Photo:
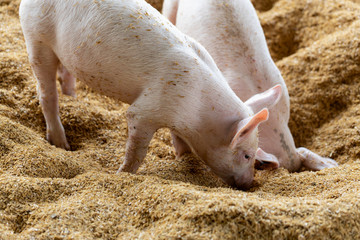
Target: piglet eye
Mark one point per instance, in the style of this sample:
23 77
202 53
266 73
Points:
247 156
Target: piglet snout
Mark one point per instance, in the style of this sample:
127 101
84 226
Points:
244 185
243 182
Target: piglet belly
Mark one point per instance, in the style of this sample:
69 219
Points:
103 72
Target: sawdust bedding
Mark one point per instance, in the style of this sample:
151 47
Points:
49 193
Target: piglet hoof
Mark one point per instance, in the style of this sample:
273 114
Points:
123 168
315 162
130 168
59 142
68 91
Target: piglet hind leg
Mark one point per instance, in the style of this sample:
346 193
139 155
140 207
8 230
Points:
313 161
44 63
67 81
140 133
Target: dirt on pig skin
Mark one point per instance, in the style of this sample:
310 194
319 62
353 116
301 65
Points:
50 193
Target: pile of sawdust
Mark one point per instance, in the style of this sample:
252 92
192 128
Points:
46 192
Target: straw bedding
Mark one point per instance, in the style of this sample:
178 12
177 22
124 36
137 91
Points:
49 193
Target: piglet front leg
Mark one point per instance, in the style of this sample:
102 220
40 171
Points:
180 146
140 133
44 63
67 81
313 161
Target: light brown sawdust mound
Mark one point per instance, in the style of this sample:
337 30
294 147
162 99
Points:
49 193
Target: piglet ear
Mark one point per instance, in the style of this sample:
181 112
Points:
265 99
248 125
265 161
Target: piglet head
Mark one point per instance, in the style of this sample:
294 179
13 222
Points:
241 154
238 156
233 157
244 147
